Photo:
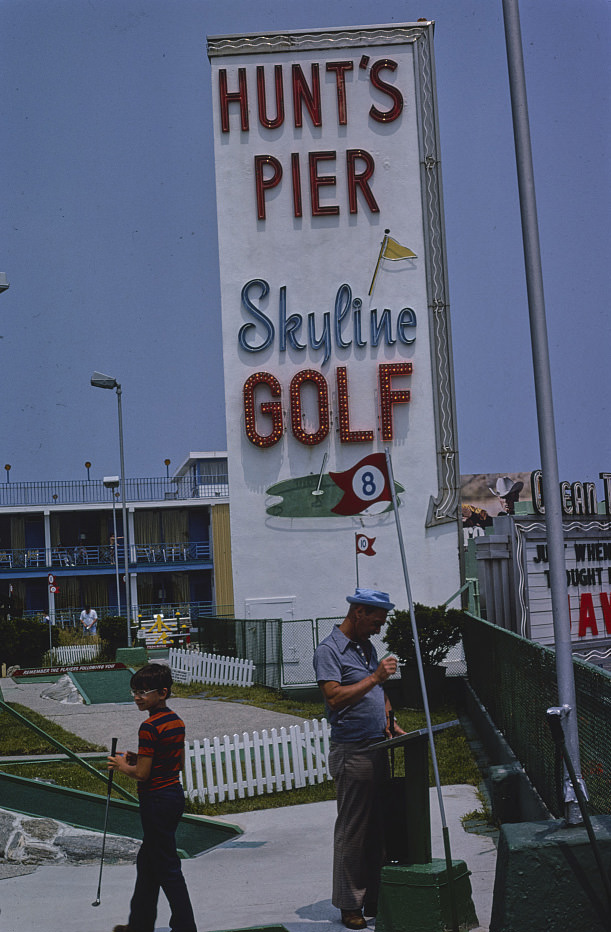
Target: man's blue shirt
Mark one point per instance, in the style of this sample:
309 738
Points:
343 661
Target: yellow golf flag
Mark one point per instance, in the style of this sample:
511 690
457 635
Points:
394 250
391 249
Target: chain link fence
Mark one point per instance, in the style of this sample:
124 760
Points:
515 679
281 650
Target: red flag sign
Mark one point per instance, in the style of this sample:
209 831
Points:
364 545
363 485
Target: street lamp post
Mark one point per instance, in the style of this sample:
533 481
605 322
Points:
112 482
99 380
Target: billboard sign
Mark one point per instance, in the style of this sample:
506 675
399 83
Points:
336 338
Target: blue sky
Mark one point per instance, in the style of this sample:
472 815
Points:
108 226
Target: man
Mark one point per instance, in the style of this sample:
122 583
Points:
351 680
89 620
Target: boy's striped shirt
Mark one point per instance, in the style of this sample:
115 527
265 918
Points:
162 737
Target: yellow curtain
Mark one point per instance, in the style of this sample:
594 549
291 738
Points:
221 548
146 527
17 532
145 589
175 523
55 538
95 591
180 587
69 592
18 597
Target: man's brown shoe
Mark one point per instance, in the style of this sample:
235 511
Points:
353 919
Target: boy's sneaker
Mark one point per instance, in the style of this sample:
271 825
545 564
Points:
123 929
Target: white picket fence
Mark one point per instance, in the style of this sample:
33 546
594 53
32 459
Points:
74 653
251 765
190 666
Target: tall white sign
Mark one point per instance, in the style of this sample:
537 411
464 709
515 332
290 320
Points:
336 335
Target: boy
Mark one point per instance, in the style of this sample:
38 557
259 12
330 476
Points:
156 767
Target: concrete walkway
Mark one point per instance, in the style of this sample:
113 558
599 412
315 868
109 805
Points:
278 871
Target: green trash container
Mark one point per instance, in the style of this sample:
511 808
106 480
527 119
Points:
415 898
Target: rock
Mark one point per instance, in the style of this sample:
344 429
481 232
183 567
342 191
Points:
88 847
31 841
8 821
38 854
62 691
42 829
16 847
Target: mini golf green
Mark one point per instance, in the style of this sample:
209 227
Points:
195 834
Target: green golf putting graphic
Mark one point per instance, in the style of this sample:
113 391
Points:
310 497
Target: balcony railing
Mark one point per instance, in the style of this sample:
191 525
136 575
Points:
68 616
93 491
81 556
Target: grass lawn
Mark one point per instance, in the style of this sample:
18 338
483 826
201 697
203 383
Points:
456 763
17 738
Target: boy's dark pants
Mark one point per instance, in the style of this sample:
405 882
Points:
158 864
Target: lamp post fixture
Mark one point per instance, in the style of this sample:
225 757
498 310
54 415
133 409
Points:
167 468
113 482
88 467
8 471
99 380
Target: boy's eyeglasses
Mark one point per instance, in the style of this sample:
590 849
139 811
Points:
141 693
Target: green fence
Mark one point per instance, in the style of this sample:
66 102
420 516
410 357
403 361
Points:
515 680
282 650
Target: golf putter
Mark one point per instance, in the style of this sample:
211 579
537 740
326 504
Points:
111 773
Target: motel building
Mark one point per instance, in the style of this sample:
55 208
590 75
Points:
57 550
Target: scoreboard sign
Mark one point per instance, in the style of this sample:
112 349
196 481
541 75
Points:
336 339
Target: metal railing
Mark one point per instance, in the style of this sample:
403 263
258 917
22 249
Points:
69 616
515 679
95 556
93 491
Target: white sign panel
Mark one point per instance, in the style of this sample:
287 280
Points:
336 336
588 579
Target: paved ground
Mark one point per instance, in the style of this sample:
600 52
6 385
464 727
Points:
203 718
278 871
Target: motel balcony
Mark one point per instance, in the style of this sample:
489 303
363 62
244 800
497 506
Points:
93 492
67 527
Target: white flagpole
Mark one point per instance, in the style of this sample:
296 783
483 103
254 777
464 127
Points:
425 698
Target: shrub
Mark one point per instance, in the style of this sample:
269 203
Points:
113 633
24 641
439 629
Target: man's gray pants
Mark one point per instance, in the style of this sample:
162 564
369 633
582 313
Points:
360 777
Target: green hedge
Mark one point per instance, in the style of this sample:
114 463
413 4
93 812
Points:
113 633
24 641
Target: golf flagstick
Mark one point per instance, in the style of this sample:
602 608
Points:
113 751
425 698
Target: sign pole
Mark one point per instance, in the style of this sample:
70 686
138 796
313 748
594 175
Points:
425 699
544 398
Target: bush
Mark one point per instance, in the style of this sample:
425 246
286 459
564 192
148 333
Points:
439 629
24 641
113 633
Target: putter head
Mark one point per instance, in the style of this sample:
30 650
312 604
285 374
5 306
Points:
96 903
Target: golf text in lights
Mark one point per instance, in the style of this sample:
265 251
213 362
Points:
286 94
272 410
